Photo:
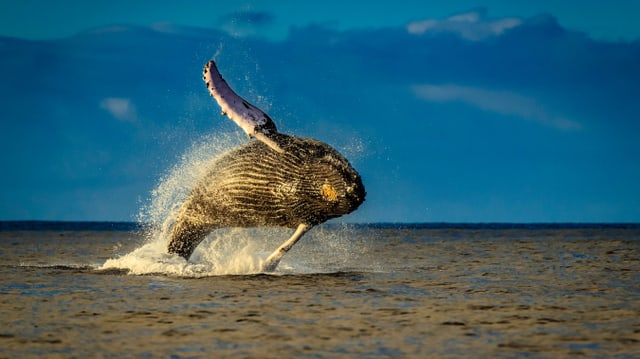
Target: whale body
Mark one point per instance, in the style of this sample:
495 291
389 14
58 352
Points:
277 181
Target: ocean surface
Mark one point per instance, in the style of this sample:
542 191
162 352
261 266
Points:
108 290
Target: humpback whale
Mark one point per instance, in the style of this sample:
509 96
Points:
276 180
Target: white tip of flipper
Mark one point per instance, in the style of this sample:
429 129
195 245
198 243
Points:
273 260
251 119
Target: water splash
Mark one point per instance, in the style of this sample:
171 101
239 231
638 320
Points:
225 251
228 252
174 187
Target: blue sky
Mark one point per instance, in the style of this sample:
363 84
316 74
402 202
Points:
452 111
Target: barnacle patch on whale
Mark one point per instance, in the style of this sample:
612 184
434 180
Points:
328 192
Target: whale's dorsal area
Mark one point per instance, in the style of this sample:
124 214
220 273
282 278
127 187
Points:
253 121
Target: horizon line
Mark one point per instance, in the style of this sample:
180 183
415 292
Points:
25 225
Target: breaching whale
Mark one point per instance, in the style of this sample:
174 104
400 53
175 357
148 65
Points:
277 181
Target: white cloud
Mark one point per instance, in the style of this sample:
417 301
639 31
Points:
120 108
502 102
473 25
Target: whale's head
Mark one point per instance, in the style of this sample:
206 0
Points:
329 186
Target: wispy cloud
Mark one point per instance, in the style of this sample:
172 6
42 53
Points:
120 108
502 102
473 25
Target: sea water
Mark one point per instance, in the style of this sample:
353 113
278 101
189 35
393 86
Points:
431 290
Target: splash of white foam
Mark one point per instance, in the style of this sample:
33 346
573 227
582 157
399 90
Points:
230 252
224 252
174 187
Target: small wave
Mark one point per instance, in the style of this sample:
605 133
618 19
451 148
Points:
58 267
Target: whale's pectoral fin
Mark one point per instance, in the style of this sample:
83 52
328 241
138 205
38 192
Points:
274 259
251 119
185 237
